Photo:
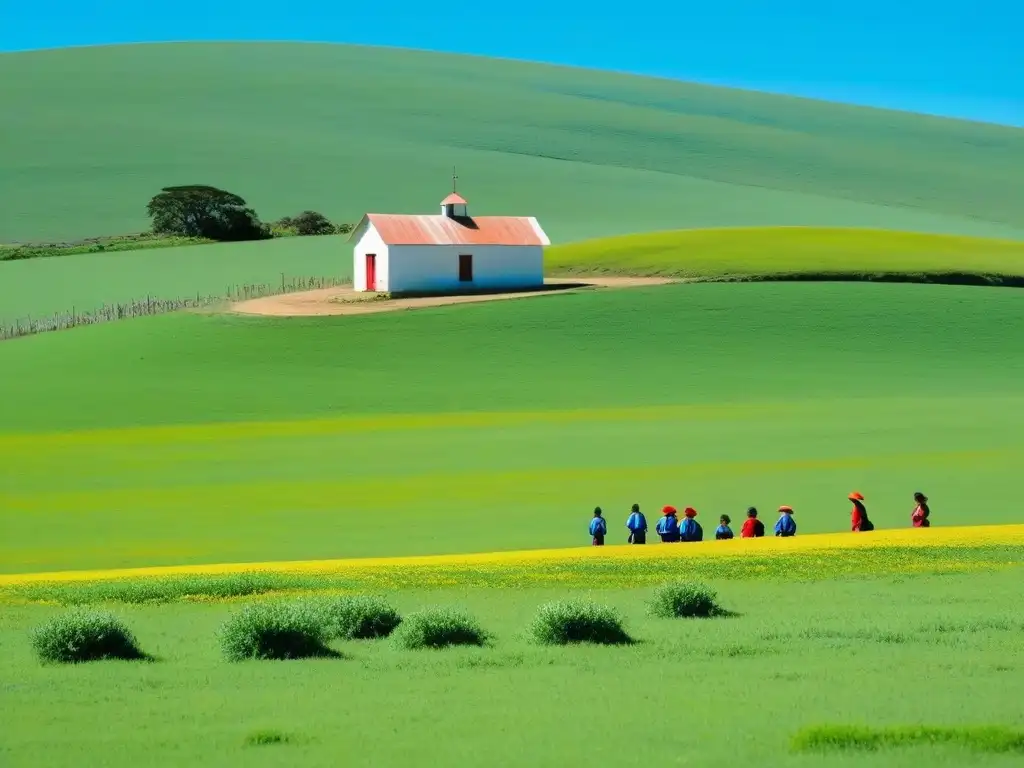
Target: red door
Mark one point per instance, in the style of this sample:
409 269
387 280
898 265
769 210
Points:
371 272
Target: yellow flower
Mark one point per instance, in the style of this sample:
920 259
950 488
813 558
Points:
967 536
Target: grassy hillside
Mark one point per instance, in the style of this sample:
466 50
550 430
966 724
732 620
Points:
206 439
91 133
40 287
767 252
500 426
520 705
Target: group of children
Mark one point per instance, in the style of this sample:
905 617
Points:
670 528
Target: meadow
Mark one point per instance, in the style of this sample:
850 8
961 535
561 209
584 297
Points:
477 439
477 428
773 253
179 469
346 129
38 288
799 660
85 282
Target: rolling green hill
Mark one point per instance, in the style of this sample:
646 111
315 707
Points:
785 251
209 438
91 133
40 287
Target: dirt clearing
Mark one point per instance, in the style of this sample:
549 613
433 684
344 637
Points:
345 301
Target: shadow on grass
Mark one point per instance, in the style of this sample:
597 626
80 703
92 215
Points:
926 278
987 738
991 280
133 657
723 613
720 613
323 652
268 737
545 288
737 651
629 642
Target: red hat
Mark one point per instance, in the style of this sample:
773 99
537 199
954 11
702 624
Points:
690 512
668 511
785 508
855 496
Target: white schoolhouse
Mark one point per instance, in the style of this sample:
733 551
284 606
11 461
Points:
449 253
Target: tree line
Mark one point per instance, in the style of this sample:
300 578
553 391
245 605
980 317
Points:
201 211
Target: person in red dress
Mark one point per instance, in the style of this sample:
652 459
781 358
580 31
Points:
752 527
859 514
919 517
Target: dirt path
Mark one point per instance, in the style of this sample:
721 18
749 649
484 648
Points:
345 301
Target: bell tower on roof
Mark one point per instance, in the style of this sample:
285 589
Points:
455 206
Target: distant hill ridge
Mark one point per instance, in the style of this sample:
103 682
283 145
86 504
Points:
91 133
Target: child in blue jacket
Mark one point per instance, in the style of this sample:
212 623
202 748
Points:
598 528
668 526
637 525
786 525
723 531
689 529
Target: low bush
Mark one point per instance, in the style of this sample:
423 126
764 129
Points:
824 738
84 636
684 600
561 623
361 617
307 223
268 737
312 223
275 631
438 628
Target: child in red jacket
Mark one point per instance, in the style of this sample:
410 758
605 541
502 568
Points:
919 517
859 514
752 527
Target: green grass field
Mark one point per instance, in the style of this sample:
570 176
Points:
205 438
345 129
309 438
944 651
770 253
38 287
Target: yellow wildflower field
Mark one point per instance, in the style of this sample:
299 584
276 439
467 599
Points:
761 550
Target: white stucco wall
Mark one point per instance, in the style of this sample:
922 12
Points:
436 267
370 242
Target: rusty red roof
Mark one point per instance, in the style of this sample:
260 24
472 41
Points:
454 199
401 229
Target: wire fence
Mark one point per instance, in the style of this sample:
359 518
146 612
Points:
153 305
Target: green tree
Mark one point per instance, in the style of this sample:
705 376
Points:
312 223
201 211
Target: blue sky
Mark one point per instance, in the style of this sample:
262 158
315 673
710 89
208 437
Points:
963 59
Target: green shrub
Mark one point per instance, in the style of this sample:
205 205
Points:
576 621
268 737
823 738
361 617
438 628
684 600
312 223
275 631
84 636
